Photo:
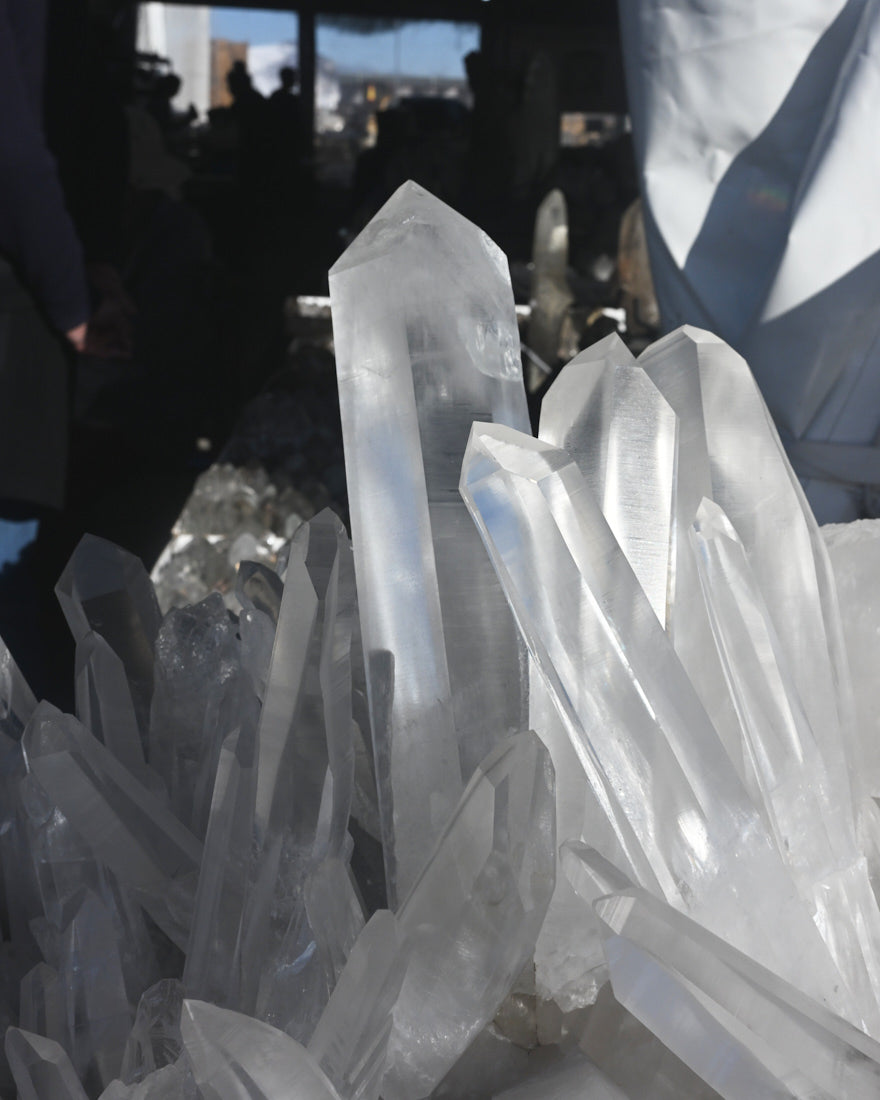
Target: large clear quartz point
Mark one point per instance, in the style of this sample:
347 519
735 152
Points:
680 813
738 1026
41 1069
235 1057
470 923
105 589
426 342
613 421
351 1040
811 827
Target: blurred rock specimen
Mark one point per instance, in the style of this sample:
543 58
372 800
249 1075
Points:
554 785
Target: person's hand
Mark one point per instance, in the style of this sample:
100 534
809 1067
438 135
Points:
109 330
77 336
109 333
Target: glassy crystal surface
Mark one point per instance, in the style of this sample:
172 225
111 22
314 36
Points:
606 413
200 694
653 758
155 1039
672 364
744 450
237 1058
426 342
104 704
742 1029
471 921
105 589
43 1003
812 829
350 1041
41 1069
126 827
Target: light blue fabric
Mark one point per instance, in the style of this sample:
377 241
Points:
15 536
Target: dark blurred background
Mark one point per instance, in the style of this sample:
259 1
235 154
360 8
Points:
217 160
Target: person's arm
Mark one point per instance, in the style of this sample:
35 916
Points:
36 232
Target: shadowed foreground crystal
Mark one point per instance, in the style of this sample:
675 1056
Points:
237 1058
470 922
680 813
108 590
41 1069
742 1029
426 342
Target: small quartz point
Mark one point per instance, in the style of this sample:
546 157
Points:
212 964
426 342
672 365
104 704
738 1026
43 1003
811 828
680 813
350 1042
470 923
155 1039
126 827
575 1078
98 1014
613 421
551 295
796 582
201 693
235 1057
105 589
41 1068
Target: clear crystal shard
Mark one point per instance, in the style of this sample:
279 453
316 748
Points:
105 589
672 364
679 810
237 1058
90 971
741 1028
126 827
350 1042
470 923
201 694
745 451
104 704
551 295
426 342
41 1069
212 964
605 411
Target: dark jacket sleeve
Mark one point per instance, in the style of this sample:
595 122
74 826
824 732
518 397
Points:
36 231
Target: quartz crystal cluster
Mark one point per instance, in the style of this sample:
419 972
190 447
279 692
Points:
550 783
